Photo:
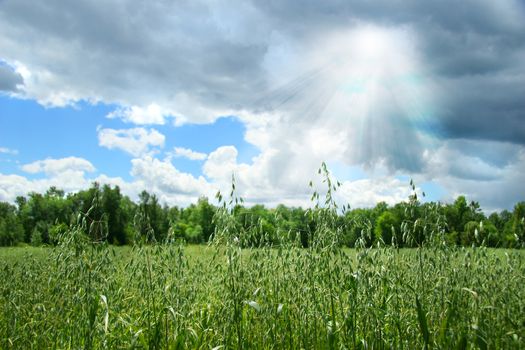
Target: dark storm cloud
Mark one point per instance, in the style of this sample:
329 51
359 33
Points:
134 52
483 17
485 107
475 49
128 52
9 80
495 154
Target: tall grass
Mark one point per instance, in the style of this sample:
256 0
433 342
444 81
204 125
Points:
239 294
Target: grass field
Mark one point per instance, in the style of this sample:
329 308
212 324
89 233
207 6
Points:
83 295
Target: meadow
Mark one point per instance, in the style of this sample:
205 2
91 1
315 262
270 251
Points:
89 295
244 290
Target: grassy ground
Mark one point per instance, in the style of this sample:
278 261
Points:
166 296
193 252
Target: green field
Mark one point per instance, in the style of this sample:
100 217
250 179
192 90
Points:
83 295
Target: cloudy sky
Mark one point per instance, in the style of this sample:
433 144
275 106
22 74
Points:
175 96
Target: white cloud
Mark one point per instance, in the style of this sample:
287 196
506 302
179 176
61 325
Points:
453 162
274 177
259 183
68 174
188 153
136 141
491 174
164 177
6 150
59 166
221 163
369 192
152 114
12 186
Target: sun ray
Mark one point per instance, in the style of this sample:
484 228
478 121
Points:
368 84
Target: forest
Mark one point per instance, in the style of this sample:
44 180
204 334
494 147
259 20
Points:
39 219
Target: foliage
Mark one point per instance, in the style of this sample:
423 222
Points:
36 219
11 230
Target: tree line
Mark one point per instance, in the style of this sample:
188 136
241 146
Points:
39 219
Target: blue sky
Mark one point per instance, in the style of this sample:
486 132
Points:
37 132
176 97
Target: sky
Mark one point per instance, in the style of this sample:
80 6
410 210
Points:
175 97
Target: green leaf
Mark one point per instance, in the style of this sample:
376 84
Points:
422 319
462 344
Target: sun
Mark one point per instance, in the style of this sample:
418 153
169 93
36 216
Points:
372 43
371 91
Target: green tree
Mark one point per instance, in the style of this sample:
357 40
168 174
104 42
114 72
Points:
11 229
203 217
387 228
470 234
490 234
357 224
458 215
111 205
153 216
38 213
518 223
